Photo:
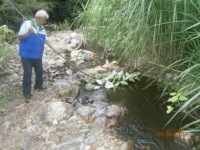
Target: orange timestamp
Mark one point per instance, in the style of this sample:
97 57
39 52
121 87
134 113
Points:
171 134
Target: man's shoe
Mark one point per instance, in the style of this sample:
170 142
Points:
27 98
40 88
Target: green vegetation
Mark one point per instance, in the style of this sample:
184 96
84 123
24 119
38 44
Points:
28 8
176 97
5 96
112 80
161 35
5 34
61 11
67 9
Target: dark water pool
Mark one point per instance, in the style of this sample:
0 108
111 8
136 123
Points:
146 118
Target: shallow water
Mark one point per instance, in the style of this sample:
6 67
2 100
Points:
146 118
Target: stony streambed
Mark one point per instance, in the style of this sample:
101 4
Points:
48 122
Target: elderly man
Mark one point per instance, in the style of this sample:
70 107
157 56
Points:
32 38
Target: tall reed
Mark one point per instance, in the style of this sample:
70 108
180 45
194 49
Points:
160 32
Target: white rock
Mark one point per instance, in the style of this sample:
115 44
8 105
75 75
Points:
124 147
85 110
100 148
58 111
72 120
74 41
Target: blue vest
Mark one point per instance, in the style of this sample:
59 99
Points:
31 46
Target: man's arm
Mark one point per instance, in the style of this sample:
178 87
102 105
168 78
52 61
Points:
51 46
24 35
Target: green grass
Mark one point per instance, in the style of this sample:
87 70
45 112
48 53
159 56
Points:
5 97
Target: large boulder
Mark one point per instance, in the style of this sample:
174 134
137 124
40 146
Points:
66 88
85 110
58 111
116 111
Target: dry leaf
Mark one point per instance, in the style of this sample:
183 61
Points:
20 106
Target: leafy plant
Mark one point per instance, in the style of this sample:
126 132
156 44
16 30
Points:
177 97
3 32
174 99
112 80
169 109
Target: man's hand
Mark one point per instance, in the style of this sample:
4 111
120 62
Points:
56 52
23 36
52 47
30 30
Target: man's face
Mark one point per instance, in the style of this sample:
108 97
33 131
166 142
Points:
42 21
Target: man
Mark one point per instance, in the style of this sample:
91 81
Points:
32 38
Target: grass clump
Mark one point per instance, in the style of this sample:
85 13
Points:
159 33
4 97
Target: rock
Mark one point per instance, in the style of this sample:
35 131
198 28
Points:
91 54
72 120
111 122
67 39
72 141
85 100
128 146
13 77
60 46
26 123
93 147
4 72
66 88
89 140
74 41
13 142
69 72
58 111
146 148
100 111
99 95
78 41
101 121
87 57
85 110
124 147
33 144
4 132
34 130
185 138
93 71
114 111
7 125
110 66
72 45
100 148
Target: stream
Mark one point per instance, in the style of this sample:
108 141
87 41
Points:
146 118
146 115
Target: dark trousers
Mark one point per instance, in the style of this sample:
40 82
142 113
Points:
28 64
